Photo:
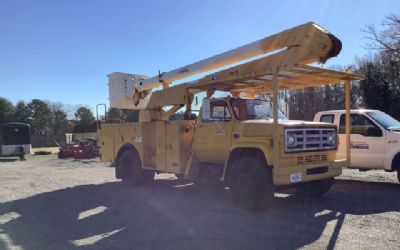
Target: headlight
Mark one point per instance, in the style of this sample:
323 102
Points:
290 140
331 139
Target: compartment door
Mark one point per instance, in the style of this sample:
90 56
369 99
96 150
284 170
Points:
174 148
161 146
106 142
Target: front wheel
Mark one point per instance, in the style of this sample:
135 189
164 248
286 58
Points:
251 183
315 188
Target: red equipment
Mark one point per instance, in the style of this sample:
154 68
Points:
83 150
66 150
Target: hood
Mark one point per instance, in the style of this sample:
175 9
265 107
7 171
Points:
290 123
294 123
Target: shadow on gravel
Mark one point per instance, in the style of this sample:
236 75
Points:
173 214
9 159
85 161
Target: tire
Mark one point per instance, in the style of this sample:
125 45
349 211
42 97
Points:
130 166
60 154
22 154
396 165
315 188
251 183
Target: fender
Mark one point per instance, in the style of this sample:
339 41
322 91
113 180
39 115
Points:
393 150
256 150
389 158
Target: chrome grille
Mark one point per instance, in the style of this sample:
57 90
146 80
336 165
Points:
311 159
309 139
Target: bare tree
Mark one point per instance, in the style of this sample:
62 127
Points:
387 40
60 122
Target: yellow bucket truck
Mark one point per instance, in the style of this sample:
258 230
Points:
239 141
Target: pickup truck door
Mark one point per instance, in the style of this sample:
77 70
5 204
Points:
213 136
367 142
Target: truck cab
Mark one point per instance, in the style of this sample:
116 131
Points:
375 138
230 128
220 119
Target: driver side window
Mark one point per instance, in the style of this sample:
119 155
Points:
219 111
360 124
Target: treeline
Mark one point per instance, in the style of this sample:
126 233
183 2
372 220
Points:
51 118
114 115
380 89
46 118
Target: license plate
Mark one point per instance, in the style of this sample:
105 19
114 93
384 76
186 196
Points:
296 177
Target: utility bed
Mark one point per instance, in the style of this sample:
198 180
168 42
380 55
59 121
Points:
162 145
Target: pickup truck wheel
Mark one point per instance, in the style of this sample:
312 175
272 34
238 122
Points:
315 188
132 173
251 183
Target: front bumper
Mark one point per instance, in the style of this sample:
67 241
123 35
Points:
287 175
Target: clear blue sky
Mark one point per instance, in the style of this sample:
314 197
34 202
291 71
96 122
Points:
62 51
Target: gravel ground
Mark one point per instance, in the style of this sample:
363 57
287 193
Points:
46 203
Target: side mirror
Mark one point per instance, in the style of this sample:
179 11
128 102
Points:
206 109
374 131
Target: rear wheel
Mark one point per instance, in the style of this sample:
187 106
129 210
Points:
251 183
315 188
131 172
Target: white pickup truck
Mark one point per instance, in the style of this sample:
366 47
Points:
374 139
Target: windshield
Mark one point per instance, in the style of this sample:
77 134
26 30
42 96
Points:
248 109
385 120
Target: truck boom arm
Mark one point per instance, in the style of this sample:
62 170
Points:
309 34
310 38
